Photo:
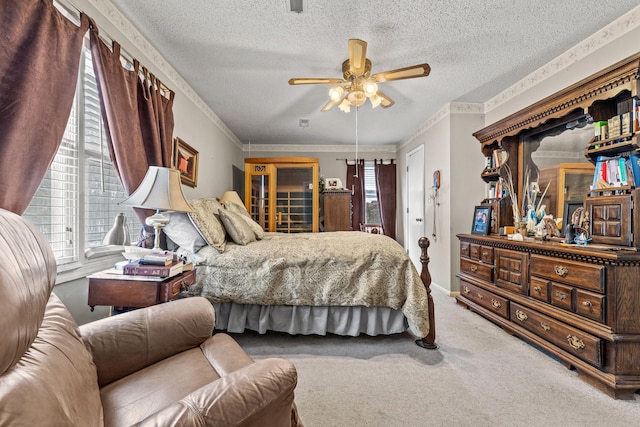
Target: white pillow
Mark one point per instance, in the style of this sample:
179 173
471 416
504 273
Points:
183 233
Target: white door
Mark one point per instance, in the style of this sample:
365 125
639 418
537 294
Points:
415 225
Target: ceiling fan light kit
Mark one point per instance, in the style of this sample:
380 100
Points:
358 84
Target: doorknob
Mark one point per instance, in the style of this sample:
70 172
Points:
418 219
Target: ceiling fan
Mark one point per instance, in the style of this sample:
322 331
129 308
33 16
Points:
358 84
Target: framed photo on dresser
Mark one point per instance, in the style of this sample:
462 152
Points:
481 220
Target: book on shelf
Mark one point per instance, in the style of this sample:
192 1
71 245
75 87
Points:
138 269
617 171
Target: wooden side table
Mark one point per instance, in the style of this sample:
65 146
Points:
120 293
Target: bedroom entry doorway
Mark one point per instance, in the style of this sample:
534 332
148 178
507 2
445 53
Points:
415 204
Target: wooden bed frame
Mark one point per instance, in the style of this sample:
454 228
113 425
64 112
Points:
428 341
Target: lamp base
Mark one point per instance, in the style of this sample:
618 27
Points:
157 221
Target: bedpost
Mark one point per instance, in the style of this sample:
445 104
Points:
428 341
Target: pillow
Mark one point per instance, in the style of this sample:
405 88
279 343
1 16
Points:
204 216
240 209
237 227
183 233
235 207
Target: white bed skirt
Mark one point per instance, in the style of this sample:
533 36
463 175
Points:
307 320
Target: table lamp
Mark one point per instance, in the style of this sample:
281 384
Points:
161 190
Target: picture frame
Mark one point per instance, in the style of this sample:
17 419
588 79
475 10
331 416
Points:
185 160
481 220
569 210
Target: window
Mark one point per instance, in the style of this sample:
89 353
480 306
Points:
77 201
371 212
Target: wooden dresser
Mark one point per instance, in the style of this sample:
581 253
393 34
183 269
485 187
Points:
581 305
337 210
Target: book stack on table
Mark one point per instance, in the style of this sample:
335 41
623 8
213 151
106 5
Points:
151 267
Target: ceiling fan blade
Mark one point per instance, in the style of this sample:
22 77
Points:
412 72
328 106
315 81
386 101
357 56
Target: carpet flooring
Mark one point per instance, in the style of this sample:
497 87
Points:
479 376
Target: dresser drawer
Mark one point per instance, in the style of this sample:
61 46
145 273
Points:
586 276
171 288
590 305
540 288
486 254
485 298
464 249
561 296
483 271
574 341
474 251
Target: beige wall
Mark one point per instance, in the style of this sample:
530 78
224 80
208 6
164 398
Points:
449 147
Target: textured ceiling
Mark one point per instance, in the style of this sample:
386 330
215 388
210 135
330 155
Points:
239 54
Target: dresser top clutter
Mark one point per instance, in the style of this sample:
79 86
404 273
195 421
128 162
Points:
576 299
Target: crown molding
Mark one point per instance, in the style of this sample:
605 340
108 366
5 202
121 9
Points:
117 19
446 111
288 148
614 30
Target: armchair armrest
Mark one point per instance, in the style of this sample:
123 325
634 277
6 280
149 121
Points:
256 395
128 342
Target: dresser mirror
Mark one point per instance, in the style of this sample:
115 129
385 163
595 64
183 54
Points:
554 156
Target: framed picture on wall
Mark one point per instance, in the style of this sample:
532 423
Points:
481 220
185 159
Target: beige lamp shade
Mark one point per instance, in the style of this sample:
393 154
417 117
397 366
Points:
231 196
160 189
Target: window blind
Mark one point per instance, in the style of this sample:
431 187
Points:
73 220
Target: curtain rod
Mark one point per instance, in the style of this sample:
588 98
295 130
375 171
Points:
70 10
366 160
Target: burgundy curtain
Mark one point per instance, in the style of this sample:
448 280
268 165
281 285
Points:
137 116
386 192
356 184
39 61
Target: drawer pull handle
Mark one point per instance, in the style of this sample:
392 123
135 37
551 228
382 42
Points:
545 326
537 289
521 315
575 342
495 303
587 303
480 295
474 268
561 270
466 290
561 295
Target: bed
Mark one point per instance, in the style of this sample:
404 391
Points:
344 283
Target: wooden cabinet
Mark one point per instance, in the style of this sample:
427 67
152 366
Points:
579 305
281 193
337 210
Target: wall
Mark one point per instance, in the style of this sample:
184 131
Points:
330 158
449 147
195 123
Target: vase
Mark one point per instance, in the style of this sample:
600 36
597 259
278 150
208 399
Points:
119 233
523 228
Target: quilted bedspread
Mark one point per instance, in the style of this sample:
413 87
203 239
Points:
317 269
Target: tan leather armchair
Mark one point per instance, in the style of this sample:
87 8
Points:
155 366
